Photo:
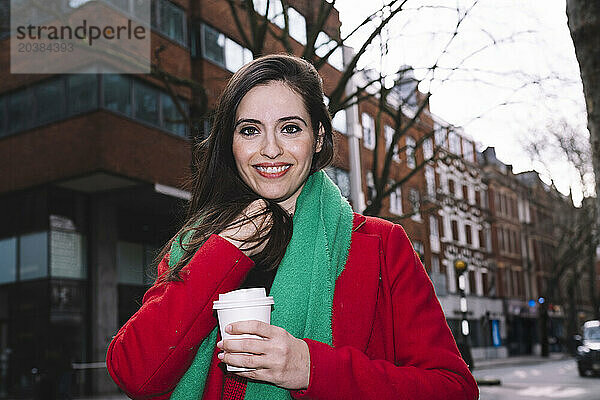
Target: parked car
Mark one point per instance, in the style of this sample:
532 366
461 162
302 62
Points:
588 349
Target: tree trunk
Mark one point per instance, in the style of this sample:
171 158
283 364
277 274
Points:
584 24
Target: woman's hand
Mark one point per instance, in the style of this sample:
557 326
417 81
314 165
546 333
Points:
243 230
278 357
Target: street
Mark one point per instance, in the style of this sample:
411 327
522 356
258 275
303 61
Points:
549 380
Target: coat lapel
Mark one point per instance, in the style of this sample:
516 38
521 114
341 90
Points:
356 290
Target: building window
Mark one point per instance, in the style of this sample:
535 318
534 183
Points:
389 135
19 110
441 139
221 50
454 224
481 238
451 188
117 93
477 198
67 255
410 152
341 178
50 97
8 260
371 191
468 151
469 234
323 45
396 200
427 149
82 93
434 231
454 141
465 192
430 181
33 256
297 25
169 19
368 125
146 103
171 118
415 204
419 249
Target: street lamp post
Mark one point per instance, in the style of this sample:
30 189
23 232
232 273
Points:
464 346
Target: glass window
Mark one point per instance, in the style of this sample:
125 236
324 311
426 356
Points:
433 227
19 110
323 45
49 97
468 147
67 255
396 200
427 148
130 263
430 181
146 103
117 93
454 140
297 25
82 92
213 45
368 125
276 13
172 21
415 202
441 139
33 256
410 152
8 260
339 121
173 121
120 4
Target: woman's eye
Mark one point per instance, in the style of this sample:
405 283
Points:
291 129
248 131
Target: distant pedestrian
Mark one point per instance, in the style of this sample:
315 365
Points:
355 316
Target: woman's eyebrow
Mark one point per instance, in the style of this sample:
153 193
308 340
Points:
282 119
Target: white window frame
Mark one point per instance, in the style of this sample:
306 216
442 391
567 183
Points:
396 200
411 161
368 125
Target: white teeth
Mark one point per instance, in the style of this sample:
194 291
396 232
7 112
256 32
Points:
273 170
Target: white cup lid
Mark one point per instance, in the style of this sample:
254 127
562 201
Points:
244 294
265 301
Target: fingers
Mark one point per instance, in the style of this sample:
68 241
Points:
253 346
253 327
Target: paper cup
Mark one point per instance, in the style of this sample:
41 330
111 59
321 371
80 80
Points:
242 305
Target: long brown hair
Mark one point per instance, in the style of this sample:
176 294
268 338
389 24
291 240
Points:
219 195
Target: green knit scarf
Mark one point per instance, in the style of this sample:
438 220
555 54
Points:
304 284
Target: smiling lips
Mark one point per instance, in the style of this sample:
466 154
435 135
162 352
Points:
272 171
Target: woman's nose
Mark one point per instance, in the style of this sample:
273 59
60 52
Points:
270 146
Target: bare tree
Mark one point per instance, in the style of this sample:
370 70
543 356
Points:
584 25
571 282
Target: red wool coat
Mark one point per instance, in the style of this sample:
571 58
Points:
390 337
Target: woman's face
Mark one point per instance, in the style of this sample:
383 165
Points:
273 142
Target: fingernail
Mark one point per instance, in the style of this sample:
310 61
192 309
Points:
228 329
221 355
220 344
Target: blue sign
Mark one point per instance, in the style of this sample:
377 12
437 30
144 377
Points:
497 342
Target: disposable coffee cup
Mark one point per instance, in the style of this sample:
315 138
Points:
242 305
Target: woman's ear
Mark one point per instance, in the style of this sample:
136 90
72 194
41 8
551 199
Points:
319 144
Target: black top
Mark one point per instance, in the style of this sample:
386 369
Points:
258 277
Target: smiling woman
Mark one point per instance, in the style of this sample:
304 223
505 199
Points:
355 313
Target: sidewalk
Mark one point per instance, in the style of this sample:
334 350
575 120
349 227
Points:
518 360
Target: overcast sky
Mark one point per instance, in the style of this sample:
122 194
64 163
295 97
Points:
515 42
